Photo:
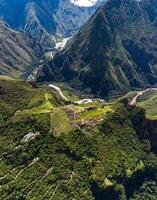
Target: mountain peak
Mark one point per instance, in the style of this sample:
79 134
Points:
85 3
113 52
44 20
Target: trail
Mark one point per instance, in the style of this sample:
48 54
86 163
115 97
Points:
7 174
60 182
58 89
40 179
140 93
54 192
79 102
34 161
47 192
20 172
71 177
84 101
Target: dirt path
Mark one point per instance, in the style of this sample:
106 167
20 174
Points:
62 182
49 189
20 172
39 179
54 192
140 93
7 174
59 91
79 102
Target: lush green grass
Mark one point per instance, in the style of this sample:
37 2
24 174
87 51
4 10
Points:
60 123
97 112
147 101
45 107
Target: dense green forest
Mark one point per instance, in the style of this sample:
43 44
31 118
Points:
111 160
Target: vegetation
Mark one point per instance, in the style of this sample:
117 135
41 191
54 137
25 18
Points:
20 51
148 101
110 57
106 161
60 123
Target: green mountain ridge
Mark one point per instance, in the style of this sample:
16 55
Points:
113 52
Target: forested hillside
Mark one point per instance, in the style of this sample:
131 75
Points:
112 160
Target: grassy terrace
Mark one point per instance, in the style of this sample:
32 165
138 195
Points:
60 123
92 111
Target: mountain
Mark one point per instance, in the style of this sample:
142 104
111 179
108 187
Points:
18 52
113 52
46 20
56 141
47 152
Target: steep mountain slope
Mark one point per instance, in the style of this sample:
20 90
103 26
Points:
113 160
44 19
17 51
113 52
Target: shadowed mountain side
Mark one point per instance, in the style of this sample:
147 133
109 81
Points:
113 52
17 51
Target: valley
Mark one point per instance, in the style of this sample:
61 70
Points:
47 21
78 100
107 58
29 29
49 55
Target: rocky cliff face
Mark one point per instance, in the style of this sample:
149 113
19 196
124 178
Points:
113 52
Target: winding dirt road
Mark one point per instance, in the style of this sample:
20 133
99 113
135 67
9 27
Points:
79 102
140 93
59 91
